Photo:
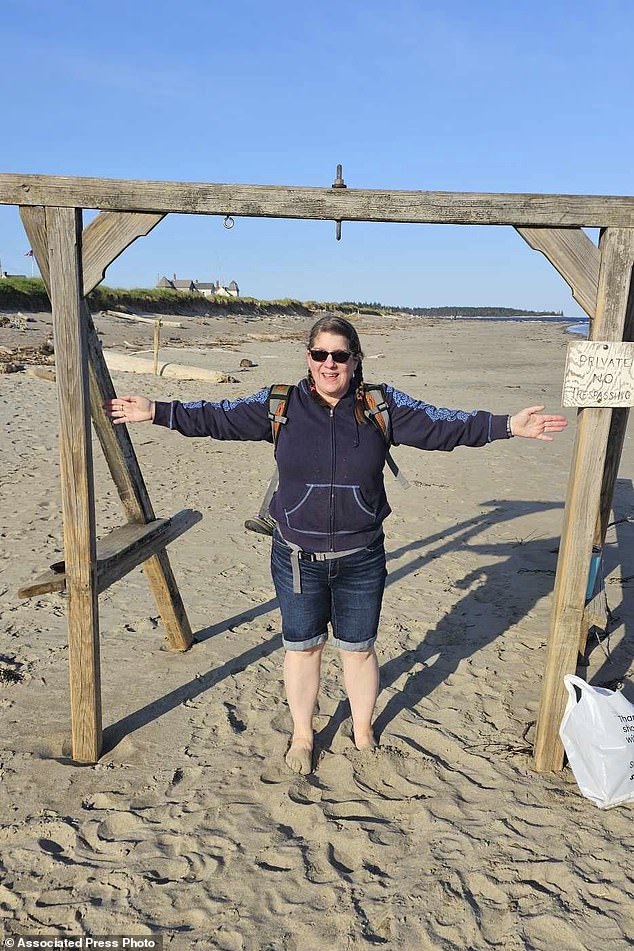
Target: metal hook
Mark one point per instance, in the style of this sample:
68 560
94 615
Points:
228 222
338 183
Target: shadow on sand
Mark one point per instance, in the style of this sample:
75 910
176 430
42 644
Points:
501 598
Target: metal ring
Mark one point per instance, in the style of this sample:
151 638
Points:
228 222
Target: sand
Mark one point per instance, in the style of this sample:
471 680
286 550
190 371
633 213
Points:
191 826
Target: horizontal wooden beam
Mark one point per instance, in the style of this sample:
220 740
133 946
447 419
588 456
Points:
351 204
119 552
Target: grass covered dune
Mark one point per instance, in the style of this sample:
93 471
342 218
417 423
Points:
24 293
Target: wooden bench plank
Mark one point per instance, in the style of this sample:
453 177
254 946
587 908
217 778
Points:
129 546
118 552
44 583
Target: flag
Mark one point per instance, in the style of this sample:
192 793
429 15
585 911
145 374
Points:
28 254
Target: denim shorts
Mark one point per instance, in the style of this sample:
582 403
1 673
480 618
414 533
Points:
345 592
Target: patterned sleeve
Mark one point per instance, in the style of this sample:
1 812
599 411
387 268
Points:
419 424
241 419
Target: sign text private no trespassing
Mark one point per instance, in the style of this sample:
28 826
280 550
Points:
599 373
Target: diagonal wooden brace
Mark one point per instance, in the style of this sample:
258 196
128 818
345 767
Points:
574 255
106 237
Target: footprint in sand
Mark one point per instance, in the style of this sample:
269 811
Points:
393 774
35 845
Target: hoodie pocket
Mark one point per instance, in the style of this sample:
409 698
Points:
311 514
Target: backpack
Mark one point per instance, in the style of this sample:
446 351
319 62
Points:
375 409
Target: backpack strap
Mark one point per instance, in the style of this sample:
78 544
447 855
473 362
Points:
376 409
276 405
279 396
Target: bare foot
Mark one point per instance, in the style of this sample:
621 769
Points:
300 755
365 739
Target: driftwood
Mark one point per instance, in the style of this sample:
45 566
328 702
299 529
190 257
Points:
126 362
42 373
142 320
173 371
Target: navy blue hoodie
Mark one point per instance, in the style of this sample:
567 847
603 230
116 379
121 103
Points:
331 495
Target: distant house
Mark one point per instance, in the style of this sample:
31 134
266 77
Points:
173 284
231 290
206 288
6 274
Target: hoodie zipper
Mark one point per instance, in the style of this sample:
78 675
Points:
332 479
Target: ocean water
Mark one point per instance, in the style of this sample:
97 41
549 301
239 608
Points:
581 328
578 325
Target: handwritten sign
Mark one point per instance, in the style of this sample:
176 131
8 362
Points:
599 373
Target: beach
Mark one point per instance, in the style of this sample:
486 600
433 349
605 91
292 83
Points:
190 826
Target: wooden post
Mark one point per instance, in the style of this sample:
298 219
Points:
596 611
118 449
618 427
157 344
63 227
582 506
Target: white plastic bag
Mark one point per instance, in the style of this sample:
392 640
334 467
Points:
598 735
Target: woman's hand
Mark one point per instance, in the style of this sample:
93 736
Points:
532 425
129 409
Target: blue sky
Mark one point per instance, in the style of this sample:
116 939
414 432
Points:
476 95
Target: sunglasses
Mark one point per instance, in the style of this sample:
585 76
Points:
339 356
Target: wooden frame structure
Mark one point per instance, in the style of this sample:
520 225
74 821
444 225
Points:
72 262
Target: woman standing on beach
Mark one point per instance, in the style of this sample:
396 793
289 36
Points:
328 555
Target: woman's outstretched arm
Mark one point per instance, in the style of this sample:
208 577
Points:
245 418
